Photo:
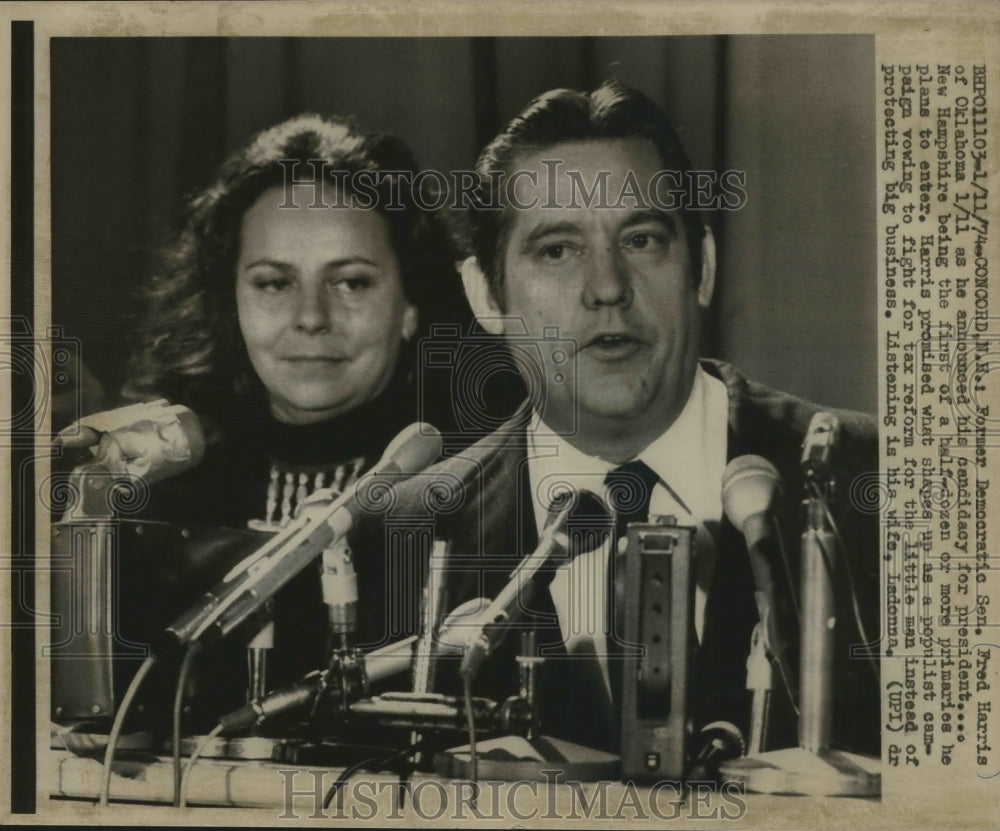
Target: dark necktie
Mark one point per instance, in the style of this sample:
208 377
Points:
629 491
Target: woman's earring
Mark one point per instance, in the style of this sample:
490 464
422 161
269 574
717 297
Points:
409 324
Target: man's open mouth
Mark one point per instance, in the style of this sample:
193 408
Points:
613 345
611 340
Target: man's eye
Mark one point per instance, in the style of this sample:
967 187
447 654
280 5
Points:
645 241
555 252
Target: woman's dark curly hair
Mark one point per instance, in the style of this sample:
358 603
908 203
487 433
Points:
191 350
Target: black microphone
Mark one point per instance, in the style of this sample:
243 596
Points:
821 437
560 542
349 678
261 575
345 681
715 743
750 488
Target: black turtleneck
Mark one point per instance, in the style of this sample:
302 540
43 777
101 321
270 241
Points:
363 431
230 487
254 458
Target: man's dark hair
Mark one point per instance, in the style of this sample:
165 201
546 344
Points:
612 111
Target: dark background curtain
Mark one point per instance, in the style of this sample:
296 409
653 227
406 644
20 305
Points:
138 124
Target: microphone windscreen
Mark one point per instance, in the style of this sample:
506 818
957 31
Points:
749 486
415 448
589 525
193 433
153 441
86 431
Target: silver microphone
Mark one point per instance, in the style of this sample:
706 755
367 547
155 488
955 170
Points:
750 489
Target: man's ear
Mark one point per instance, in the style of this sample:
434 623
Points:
706 286
477 290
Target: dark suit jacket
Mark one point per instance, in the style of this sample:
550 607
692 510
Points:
480 501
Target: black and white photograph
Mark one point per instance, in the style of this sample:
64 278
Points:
491 427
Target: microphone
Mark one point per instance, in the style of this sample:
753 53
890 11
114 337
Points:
260 576
434 600
821 436
352 675
353 678
152 440
715 743
339 583
277 703
750 487
560 542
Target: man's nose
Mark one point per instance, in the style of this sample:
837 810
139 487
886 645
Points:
312 309
607 281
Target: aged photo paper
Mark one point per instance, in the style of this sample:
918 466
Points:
858 263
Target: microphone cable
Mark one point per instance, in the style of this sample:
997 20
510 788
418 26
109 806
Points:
794 594
786 563
193 648
784 674
119 722
374 765
849 568
194 758
470 721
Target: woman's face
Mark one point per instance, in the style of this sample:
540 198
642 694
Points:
321 306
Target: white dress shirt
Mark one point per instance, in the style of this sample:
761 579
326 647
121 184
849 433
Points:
689 458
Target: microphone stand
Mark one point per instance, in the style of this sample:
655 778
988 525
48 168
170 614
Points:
527 756
434 598
250 744
813 768
256 745
257 652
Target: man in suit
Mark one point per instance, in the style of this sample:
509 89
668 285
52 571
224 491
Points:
587 249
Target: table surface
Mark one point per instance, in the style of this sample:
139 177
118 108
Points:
295 792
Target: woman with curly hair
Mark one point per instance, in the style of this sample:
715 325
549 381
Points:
287 317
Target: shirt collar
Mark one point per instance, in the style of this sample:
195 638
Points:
690 456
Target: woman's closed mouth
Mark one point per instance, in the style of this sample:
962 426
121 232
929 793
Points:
314 359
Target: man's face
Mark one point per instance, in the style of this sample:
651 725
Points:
616 280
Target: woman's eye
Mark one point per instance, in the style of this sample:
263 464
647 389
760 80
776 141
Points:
353 283
271 285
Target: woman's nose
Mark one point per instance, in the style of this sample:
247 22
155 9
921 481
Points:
606 280
312 312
